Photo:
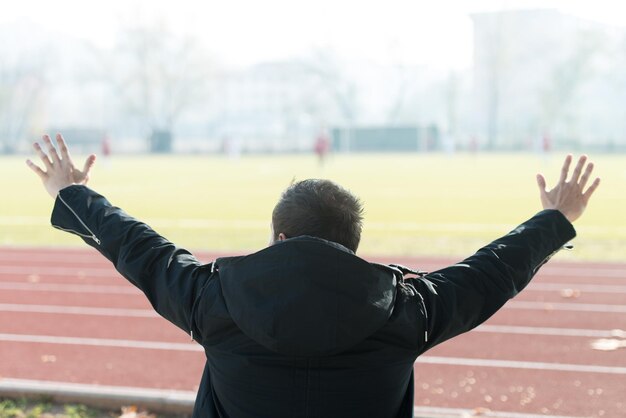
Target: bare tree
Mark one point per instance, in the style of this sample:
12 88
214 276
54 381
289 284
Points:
404 78
567 77
331 80
21 87
495 68
157 75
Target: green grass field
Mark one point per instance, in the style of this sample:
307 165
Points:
414 204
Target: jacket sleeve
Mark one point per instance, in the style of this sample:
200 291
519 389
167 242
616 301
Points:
170 276
461 297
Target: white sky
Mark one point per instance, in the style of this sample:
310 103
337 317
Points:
242 32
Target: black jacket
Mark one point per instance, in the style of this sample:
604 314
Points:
305 328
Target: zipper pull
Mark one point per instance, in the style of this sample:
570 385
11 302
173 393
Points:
95 238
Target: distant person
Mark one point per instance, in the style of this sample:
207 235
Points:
473 145
543 147
322 147
106 146
304 327
546 143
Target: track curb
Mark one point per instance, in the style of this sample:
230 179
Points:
113 397
178 401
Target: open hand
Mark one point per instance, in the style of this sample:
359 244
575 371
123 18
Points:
59 171
569 197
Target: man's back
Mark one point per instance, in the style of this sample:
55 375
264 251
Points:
305 328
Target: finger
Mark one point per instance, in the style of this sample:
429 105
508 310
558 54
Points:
65 152
89 162
585 176
52 151
578 169
565 168
42 155
541 182
42 174
591 189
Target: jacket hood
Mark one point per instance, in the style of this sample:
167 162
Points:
306 296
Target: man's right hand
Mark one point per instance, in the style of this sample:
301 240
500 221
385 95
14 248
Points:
59 169
568 196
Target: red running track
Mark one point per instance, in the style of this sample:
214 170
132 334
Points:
68 316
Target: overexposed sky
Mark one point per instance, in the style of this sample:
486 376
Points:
242 32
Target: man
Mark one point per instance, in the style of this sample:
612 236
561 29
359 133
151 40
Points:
304 327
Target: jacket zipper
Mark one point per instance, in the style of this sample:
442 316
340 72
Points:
426 320
567 246
92 236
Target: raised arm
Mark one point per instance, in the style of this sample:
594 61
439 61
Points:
462 296
170 276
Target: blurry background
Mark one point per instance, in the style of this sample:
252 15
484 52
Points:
498 75
244 90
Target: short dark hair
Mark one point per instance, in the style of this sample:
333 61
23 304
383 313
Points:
319 208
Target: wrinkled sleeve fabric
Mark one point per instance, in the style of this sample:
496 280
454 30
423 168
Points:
169 276
461 297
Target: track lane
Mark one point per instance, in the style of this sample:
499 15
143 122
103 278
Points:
532 348
548 317
505 389
555 393
102 365
154 327
143 329
567 396
512 348
122 301
98 295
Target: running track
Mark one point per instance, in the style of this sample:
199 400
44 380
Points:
67 316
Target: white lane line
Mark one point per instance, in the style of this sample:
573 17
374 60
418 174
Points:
78 310
587 288
583 271
75 259
528 365
53 256
441 412
70 288
156 345
147 313
558 306
556 332
505 329
101 342
59 271
105 289
457 361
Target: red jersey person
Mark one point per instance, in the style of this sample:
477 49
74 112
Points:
322 146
